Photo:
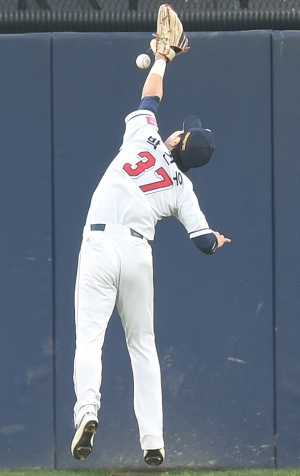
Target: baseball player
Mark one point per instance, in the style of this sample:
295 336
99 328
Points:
145 182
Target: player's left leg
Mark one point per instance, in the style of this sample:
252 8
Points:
95 296
135 306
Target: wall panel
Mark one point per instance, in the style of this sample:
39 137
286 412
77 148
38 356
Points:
286 76
26 336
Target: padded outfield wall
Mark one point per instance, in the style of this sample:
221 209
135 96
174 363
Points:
227 325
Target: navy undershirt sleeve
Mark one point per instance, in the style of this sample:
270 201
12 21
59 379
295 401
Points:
150 103
207 243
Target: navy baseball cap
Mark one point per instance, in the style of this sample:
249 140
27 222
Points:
196 145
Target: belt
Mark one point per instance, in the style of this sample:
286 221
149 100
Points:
101 227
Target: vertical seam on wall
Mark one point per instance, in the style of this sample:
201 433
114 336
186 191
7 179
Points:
273 254
53 254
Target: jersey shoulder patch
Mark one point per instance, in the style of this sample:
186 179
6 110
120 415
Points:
151 121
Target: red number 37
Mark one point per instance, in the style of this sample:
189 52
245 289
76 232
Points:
147 162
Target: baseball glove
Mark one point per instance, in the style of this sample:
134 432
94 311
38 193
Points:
170 39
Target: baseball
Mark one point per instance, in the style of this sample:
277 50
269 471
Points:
143 61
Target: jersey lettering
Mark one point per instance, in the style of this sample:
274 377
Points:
166 181
142 165
168 157
146 163
178 178
153 141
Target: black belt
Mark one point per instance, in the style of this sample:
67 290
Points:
101 227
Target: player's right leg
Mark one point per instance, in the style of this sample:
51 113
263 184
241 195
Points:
95 296
135 305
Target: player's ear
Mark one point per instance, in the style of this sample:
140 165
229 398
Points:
173 140
177 140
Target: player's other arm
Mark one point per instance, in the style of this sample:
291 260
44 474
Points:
210 242
192 217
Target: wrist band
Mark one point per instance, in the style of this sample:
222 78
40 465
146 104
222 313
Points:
159 67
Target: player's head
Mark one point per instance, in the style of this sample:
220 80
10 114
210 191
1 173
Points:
196 145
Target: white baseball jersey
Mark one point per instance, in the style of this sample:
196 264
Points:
143 184
115 268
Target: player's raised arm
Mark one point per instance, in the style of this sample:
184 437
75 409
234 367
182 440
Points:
169 42
153 85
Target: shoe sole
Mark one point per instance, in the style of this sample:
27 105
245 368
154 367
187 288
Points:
83 441
154 458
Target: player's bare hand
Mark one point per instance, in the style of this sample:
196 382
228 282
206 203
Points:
221 239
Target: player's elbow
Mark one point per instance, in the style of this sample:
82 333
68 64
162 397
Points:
207 243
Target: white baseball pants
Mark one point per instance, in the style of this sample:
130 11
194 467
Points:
115 268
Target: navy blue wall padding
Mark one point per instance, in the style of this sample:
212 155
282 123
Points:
213 314
26 335
286 77
227 324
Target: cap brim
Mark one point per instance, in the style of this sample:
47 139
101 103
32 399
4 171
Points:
191 123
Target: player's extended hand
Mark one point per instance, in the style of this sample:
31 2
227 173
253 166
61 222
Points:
221 239
170 39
